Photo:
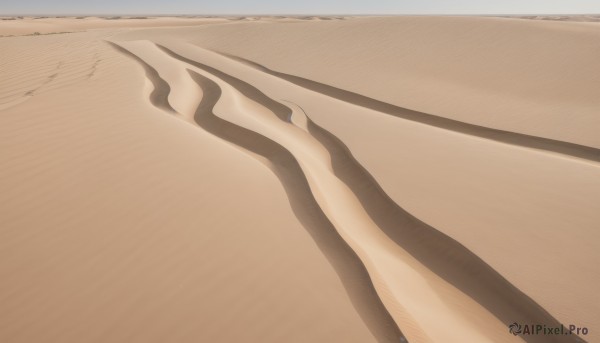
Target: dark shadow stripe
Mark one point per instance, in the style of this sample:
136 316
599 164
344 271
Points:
440 253
283 112
159 96
347 265
508 137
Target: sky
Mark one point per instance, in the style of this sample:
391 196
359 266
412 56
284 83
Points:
11 7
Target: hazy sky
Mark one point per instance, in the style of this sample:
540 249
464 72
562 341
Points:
297 7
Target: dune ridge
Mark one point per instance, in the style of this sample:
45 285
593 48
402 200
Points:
193 183
128 239
456 264
508 137
438 252
284 165
159 96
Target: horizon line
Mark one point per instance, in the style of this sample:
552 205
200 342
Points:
48 15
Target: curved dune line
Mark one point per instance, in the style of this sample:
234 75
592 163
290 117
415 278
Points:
184 95
286 168
365 225
344 260
160 94
507 137
441 254
371 245
281 111
438 252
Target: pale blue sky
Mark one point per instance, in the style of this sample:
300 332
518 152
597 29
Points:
297 7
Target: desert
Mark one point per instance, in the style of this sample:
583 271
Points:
299 178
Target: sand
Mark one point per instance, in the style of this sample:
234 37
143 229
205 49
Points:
298 179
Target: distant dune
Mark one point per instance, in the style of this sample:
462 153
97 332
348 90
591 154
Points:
579 18
298 179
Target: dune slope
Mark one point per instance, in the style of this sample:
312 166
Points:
298 189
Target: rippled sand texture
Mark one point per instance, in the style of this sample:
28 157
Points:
314 179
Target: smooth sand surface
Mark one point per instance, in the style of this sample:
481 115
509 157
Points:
298 179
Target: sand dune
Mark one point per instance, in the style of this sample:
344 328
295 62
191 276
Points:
200 184
509 74
514 138
61 25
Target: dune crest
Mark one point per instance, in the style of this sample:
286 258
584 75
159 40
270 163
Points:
422 248
180 179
